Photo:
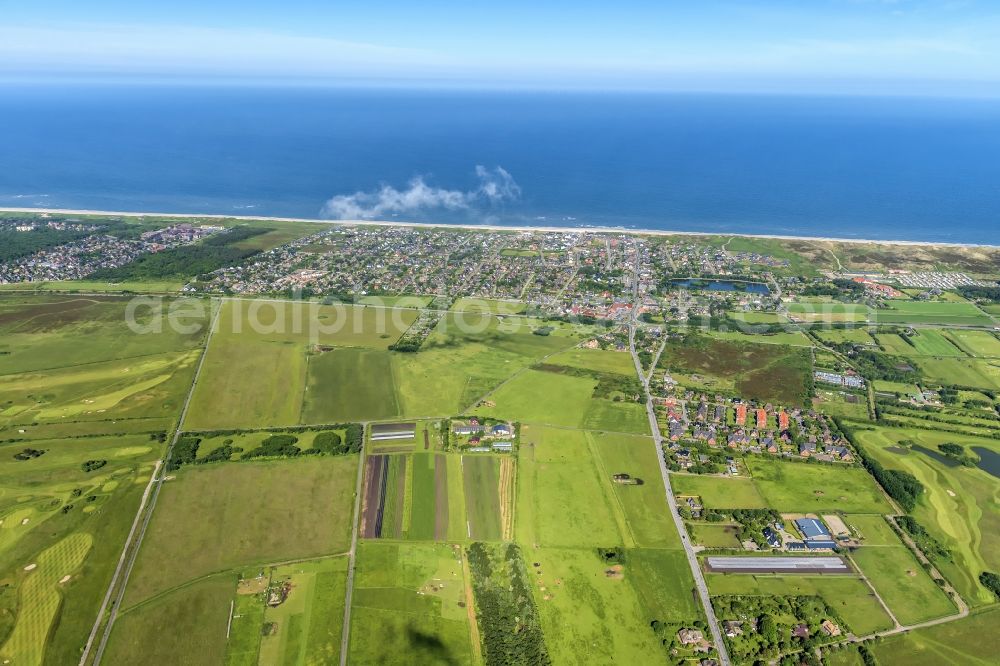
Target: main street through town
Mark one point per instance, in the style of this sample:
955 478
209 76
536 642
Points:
699 577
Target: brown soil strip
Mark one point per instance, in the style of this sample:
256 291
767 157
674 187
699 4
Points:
371 498
506 487
427 441
440 497
470 611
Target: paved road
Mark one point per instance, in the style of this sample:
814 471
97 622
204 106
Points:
157 483
699 578
352 558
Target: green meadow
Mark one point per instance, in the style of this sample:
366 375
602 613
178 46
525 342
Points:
931 312
960 642
906 588
719 492
409 605
255 371
226 516
799 487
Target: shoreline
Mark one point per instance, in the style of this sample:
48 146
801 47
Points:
492 227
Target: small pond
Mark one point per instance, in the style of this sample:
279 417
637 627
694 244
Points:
989 461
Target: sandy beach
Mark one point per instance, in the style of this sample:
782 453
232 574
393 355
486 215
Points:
491 227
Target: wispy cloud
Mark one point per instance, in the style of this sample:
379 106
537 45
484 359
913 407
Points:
496 187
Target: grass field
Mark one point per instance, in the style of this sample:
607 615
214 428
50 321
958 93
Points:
828 312
902 583
350 383
931 312
976 373
406 606
858 336
581 606
714 536
482 496
839 403
958 507
198 612
848 595
595 359
923 342
960 642
895 387
802 488
646 523
720 493
563 498
487 305
271 339
307 627
230 515
983 344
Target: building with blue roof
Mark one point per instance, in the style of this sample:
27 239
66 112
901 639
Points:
813 530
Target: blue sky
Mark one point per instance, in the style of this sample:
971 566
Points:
876 46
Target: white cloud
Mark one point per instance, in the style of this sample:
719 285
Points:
496 186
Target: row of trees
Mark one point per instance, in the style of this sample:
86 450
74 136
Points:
899 485
508 618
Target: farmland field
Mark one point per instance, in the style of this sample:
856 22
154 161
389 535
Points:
959 642
719 493
595 359
230 515
544 398
827 312
931 312
895 387
791 338
958 506
408 605
482 496
858 336
350 383
801 488
647 524
199 612
983 344
581 605
307 627
904 585
487 305
266 339
976 373
713 535
923 342
563 499
848 595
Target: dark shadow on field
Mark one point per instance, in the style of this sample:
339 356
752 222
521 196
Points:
427 648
